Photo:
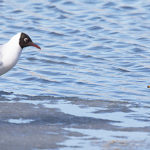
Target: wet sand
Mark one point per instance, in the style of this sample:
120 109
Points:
27 123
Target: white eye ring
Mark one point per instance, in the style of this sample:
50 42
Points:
25 40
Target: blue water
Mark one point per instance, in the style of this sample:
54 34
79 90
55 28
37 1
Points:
89 80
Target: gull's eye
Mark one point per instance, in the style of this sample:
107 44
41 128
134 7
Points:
26 40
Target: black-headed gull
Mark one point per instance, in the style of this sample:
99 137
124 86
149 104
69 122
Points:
10 52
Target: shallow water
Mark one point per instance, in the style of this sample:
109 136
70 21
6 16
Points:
87 88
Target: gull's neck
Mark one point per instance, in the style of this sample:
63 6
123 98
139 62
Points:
14 41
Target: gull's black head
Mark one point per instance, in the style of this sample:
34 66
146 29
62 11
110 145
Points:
25 41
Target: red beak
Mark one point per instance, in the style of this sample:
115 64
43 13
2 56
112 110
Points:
34 45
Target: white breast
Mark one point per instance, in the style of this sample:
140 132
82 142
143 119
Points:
9 54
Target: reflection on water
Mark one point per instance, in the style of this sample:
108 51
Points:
20 121
87 87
